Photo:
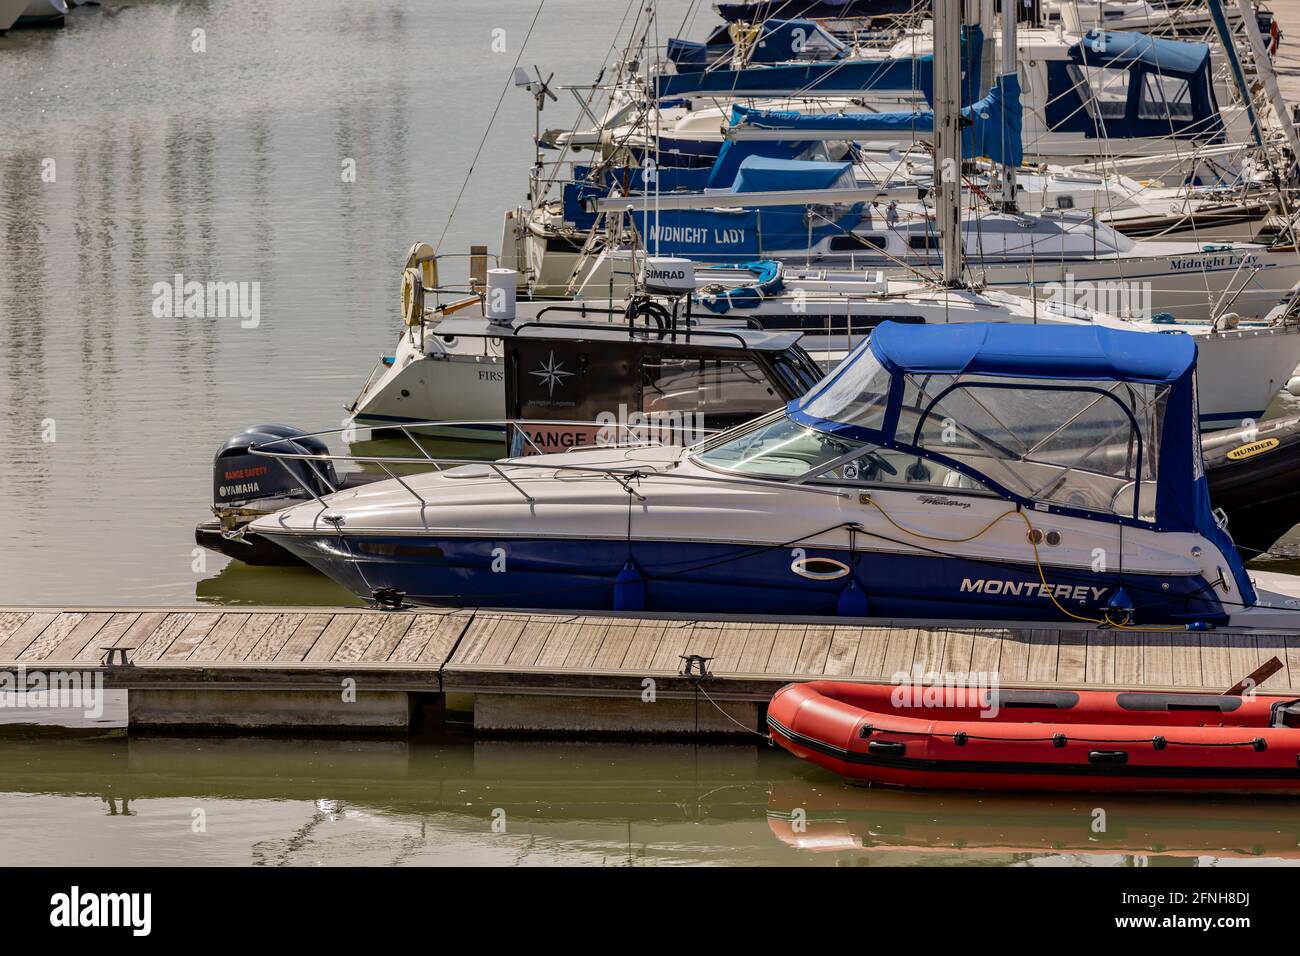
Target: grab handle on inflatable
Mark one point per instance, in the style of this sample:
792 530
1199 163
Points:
892 748
1108 756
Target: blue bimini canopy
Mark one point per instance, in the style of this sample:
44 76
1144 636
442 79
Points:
1033 351
992 126
1120 85
1012 381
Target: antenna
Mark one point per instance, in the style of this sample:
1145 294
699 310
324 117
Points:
541 89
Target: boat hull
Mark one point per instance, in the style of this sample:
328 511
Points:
950 738
697 577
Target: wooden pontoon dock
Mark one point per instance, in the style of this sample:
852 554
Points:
321 670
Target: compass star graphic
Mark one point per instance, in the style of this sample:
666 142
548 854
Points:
551 374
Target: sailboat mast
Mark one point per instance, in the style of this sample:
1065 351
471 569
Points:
1009 67
947 138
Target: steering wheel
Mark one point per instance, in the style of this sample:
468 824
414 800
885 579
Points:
878 463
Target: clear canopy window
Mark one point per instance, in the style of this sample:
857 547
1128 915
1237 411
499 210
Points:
1089 445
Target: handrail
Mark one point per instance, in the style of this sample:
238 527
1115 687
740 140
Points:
622 474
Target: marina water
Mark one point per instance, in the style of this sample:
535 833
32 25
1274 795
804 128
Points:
297 157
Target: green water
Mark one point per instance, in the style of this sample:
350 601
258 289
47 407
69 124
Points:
98 798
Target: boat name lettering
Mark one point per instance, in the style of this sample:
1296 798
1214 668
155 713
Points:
1077 592
1214 262
697 235
939 500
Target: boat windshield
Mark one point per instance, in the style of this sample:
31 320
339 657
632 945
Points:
780 447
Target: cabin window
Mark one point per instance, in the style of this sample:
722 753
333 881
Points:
856 242
1165 98
706 386
1086 445
1107 89
925 241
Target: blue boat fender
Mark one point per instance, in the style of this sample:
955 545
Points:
629 589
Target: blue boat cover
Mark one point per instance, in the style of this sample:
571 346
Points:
1121 50
838 76
759 174
754 12
1030 351
994 129
1051 353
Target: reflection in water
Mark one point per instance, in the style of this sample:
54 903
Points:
281 802
224 166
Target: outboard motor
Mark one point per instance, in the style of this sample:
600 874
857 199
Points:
246 485
240 477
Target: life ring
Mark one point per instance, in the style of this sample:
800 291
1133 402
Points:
412 297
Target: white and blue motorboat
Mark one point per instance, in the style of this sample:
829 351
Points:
974 472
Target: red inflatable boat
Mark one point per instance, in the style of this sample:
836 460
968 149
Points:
1041 739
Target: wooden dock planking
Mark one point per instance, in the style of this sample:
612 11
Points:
495 651
304 636
51 636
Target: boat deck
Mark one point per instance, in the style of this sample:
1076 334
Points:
515 665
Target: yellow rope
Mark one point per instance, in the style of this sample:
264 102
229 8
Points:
1105 620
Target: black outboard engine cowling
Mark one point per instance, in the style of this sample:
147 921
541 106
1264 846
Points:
240 477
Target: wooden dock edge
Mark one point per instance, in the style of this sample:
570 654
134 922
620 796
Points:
358 671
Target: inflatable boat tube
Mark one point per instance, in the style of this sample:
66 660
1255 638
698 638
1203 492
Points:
964 739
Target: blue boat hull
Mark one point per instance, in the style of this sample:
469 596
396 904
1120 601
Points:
722 578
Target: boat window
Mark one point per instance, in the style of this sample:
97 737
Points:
856 242
705 386
1108 89
799 372
1165 97
775 448
925 241
1067 443
855 395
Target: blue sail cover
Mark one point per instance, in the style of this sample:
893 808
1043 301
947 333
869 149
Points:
1050 353
845 76
813 9
1171 57
779 41
760 174
993 127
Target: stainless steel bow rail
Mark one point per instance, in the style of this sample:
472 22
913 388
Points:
625 476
